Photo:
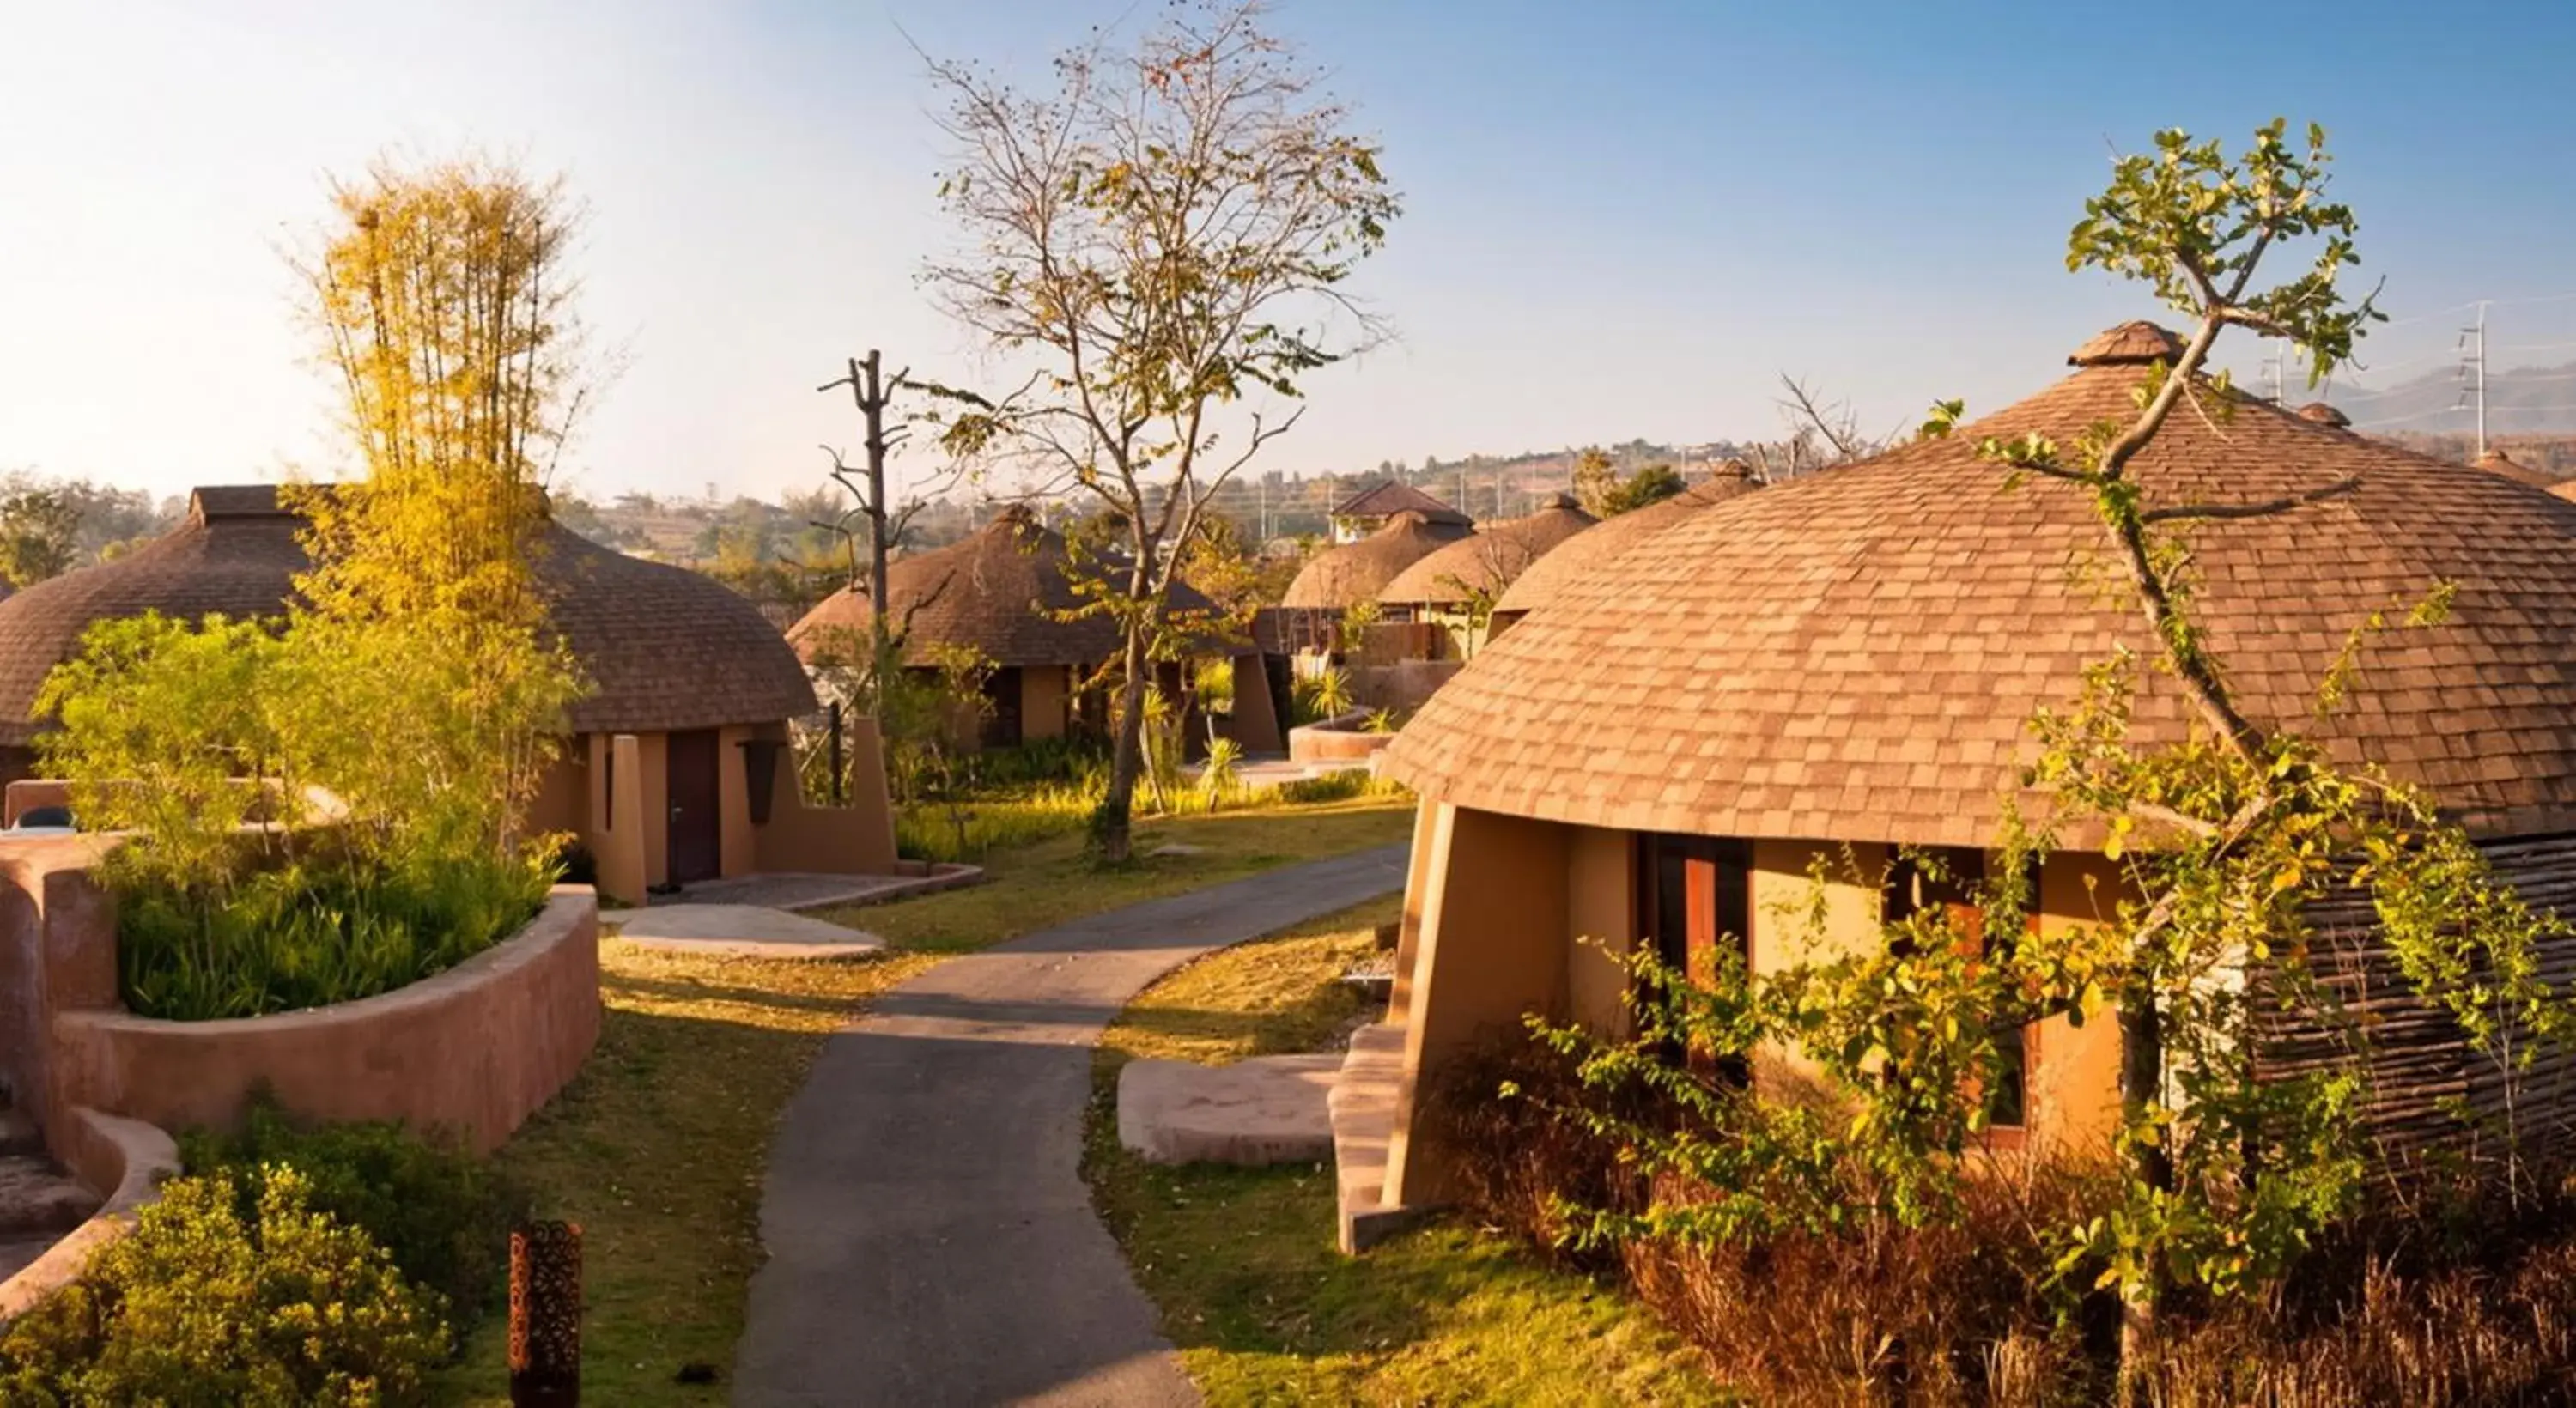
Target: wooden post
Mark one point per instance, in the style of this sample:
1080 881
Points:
545 1315
835 714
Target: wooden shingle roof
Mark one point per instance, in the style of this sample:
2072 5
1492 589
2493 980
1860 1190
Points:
1612 536
1001 591
664 648
1854 655
1387 498
1489 561
1345 576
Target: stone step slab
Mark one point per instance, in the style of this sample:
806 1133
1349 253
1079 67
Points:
1265 1110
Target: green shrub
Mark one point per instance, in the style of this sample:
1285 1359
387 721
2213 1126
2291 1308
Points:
969 828
1343 786
443 1215
312 932
204 1307
317 813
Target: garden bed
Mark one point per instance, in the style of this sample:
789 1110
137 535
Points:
474 1050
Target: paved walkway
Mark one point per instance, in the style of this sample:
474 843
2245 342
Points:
930 1237
742 929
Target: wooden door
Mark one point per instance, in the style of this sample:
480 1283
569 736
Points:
1694 896
696 843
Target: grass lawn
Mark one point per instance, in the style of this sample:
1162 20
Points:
1241 1261
1050 882
657 1148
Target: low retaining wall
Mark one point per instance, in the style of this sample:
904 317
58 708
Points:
474 1050
1336 740
126 1158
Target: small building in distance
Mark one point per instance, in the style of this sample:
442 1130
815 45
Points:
680 767
1369 510
1005 596
1450 589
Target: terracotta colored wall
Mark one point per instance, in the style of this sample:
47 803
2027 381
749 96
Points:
615 832
853 839
2075 1085
1256 721
1601 926
476 1049
28 793
1417 882
1045 691
1495 897
654 752
563 799
1313 743
52 920
737 853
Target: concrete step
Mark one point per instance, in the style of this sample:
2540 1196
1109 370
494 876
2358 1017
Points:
35 1197
1363 1108
1262 1110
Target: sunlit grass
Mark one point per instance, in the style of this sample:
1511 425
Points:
1054 881
1241 1262
658 1148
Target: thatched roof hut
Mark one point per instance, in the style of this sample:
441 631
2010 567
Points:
1004 591
666 649
1342 577
1487 562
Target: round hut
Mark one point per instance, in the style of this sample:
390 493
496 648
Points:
1599 543
682 671
1339 578
1843 664
1485 562
1005 595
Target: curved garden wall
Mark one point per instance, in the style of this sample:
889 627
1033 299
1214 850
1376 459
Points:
475 1050
1336 740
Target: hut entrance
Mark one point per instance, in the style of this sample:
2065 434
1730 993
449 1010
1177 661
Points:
1695 893
1002 727
696 842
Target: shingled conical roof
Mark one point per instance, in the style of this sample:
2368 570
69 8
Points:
1352 573
1388 497
1854 655
665 648
1612 536
1489 561
1001 591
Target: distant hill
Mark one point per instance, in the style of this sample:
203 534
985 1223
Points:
2520 401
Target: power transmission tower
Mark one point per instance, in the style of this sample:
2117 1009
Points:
2473 373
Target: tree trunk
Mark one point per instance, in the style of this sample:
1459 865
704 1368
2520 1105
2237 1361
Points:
1126 758
2142 1069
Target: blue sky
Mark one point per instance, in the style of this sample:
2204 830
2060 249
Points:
1623 218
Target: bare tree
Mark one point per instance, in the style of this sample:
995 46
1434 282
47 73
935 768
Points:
1165 238
1822 433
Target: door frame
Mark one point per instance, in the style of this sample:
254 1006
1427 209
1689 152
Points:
676 849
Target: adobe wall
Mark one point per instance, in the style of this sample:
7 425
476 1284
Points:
1494 894
853 839
57 951
475 1050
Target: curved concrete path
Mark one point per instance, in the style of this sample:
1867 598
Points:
930 1237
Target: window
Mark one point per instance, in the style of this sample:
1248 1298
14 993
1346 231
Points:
1948 876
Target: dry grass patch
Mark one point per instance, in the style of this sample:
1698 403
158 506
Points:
1241 1262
